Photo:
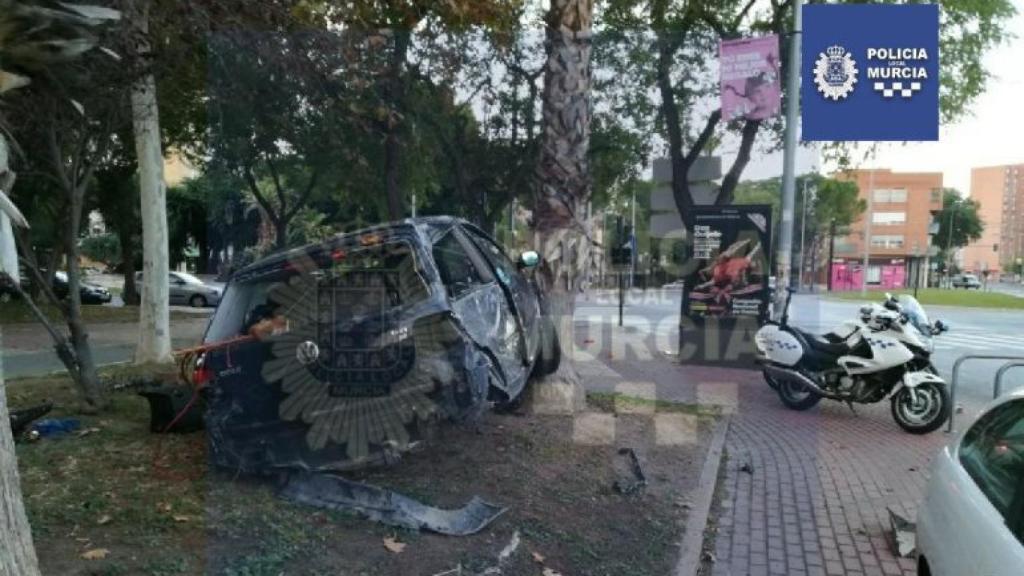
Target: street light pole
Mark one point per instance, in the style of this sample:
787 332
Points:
785 252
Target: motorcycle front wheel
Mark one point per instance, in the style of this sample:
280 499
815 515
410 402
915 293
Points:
922 410
773 383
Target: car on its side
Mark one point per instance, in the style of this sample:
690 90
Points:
346 353
966 281
184 288
971 522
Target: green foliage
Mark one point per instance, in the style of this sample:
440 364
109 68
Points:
959 221
104 248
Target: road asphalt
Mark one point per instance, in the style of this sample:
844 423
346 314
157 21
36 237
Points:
973 331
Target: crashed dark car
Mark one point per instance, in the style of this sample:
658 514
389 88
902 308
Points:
347 353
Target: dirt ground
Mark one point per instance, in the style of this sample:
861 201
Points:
150 505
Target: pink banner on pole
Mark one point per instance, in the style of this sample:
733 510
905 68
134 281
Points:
749 78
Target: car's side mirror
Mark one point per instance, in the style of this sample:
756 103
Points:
529 259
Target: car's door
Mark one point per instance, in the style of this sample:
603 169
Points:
981 521
518 289
479 302
176 290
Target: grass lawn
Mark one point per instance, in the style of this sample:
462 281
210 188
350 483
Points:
944 297
150 504
16 312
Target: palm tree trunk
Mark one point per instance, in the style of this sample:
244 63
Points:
17 552
563 186
154 315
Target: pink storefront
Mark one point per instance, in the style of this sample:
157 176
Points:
847 274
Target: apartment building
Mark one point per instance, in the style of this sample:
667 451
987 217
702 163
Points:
901 209
999 190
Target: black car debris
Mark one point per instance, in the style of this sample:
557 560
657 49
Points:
345 354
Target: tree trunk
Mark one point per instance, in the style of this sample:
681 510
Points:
563 187
87 378
154 315
280 232
395 91
17 553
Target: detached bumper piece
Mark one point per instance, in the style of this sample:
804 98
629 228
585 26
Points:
388 507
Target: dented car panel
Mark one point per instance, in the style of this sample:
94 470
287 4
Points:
345 354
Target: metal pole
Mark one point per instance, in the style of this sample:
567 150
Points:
803 230
622 283
949 245
867 235
632 242
785 251
831 252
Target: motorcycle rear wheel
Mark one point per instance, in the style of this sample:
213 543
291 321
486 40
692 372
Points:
927 414
796 396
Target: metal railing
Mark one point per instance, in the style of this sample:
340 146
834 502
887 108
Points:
997 387
956 376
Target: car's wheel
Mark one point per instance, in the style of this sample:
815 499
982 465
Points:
550 354
923 409
197 301
797 396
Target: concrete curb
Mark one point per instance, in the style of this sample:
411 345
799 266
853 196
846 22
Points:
693 536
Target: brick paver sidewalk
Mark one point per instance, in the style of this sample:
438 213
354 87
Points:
815 498
805 493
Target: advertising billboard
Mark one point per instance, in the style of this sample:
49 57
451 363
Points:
749 78
730 254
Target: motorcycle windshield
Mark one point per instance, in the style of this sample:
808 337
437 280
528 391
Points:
916 314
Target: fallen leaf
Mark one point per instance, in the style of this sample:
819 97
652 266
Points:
394 546
95 554
550 572
164 506
537 557
181 518
105 519
87 431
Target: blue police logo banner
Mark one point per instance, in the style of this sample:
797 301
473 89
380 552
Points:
870 72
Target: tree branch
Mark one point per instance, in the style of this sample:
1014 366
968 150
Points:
725 194
277 185
703 138
305 195
56 158
260 198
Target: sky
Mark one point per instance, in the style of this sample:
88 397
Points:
991 136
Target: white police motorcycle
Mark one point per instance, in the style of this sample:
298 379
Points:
884 354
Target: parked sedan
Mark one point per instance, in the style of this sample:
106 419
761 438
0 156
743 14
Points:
88 292
972 520
185 288
966 281
346 353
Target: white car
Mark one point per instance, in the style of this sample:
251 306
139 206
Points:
972 520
